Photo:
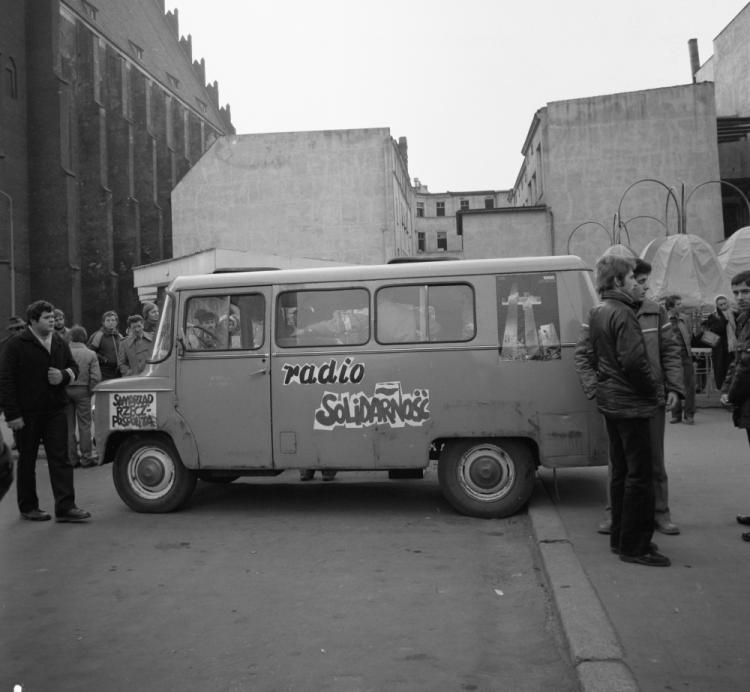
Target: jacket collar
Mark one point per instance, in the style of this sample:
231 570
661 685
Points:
619 295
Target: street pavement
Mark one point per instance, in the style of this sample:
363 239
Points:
629 627
685 627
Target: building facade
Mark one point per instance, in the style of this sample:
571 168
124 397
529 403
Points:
334 195
102 111
588 160
435 216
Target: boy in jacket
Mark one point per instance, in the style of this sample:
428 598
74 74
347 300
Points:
735 391
627 394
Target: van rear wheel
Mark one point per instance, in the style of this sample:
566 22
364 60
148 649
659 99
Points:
149 475
486 478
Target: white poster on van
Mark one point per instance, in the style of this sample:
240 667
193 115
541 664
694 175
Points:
387 405
132 410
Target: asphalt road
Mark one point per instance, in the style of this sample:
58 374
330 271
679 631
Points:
274 584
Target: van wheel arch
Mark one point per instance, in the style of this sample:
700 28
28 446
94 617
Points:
487 477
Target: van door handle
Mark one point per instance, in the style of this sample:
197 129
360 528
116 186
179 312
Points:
262 371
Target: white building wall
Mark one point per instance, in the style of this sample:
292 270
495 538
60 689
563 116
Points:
327 195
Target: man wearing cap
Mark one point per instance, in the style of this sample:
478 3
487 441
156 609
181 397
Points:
15 326
35 368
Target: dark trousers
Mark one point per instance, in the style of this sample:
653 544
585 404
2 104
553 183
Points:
686 407
631 484
51 429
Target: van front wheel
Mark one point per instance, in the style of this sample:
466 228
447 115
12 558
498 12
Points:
149 476
486 478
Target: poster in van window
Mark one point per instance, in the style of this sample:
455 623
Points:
528 317
132 410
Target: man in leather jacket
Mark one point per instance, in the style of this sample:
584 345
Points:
627 394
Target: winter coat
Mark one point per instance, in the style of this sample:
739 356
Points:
89 373
107 347
626 386
134 353
661 346
24 387
737 382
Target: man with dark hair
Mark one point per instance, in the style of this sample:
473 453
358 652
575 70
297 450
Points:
664 356
684 337
627 394
35 367
735 391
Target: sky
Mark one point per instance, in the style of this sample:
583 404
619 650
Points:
460 80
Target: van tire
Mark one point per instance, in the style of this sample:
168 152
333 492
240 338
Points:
149 475
490 479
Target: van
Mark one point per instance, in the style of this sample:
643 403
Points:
380 368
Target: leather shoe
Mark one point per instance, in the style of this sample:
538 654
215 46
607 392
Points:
652 548
650 559
676 420
36 515
605 527
667 527
689 420
743 519
73 515
746 536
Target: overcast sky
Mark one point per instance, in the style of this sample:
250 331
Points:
461 80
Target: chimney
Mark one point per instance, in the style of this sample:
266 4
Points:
404 149
695 63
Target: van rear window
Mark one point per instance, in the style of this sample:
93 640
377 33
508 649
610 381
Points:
528 318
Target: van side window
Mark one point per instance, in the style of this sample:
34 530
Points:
323 318
425 313
224 323
528 318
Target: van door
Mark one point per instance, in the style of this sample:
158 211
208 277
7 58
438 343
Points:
223 377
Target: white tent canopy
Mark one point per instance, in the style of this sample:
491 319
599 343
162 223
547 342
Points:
734 256
685 265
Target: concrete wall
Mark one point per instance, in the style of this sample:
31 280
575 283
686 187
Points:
335 195
597 147
520 232
731 69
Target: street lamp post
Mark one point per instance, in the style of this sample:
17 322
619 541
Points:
12 254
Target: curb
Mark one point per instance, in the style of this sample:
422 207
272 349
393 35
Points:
592 641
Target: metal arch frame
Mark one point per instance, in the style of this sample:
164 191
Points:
719 182
670 194
580 225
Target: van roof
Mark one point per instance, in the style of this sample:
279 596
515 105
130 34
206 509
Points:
368 272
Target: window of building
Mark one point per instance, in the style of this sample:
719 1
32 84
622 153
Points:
424 314
464 204
539 168
442 240
323 318
440 209
11 75
224 323
89 9
173 81
529 320
421 242
136 50
202 107
489 202
420 209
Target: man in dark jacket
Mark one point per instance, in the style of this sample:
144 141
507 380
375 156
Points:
35 367
106 342
627 394
736 389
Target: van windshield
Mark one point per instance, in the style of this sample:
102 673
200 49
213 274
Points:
163 341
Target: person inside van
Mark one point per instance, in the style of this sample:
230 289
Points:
202 334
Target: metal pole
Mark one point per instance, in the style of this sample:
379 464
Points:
12 255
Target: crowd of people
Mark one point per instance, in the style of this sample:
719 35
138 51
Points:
47 375
635 357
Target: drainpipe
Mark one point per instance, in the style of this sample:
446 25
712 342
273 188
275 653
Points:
12 254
